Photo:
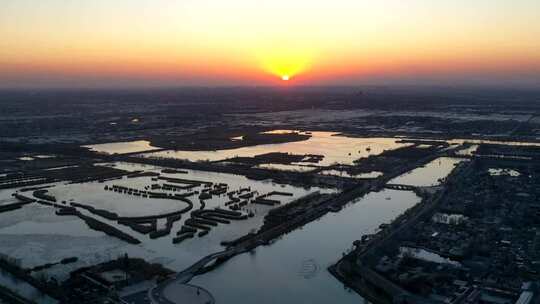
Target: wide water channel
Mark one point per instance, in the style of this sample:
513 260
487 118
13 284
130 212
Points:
294 268
429 175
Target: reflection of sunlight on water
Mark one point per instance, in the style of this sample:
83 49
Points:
122 147
237 138
283 131
334 148
430 174
282 167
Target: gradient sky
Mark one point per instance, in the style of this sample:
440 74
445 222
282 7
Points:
57 43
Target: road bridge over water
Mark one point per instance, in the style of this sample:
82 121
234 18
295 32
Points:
157 295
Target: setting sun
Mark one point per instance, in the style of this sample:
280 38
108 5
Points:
285 62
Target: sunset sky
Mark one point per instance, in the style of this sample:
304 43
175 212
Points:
63 43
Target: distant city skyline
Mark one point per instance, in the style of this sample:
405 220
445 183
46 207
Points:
131 43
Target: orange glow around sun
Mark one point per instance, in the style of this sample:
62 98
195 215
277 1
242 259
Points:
239 42
285 63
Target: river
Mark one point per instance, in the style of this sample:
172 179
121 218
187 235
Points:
294 268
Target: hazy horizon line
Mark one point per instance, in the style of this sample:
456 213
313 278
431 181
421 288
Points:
281 87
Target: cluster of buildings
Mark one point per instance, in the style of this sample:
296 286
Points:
481 244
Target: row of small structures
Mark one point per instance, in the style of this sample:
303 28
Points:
200 221
204 220
150 194
236 203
